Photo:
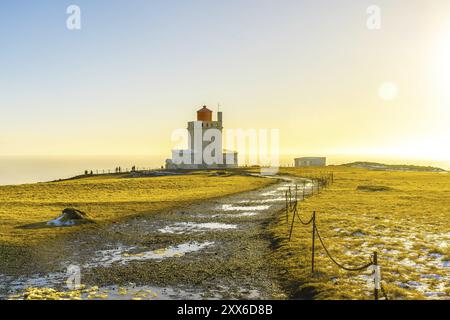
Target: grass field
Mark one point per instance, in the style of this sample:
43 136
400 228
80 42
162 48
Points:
404 216
105 199
407 223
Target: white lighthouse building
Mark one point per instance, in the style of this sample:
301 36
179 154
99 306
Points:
205 149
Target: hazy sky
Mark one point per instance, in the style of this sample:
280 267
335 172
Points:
139 69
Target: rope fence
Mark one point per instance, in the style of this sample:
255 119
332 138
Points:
316 185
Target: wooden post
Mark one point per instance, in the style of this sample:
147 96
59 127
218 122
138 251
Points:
376 275
313 241
290 198
287 208
292 226
304 185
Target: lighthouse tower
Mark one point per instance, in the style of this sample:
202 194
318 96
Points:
201 134
197 130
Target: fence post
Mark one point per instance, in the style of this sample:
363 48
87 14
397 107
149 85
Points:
304 186
313 241
287 208
292 226
376 274
290 198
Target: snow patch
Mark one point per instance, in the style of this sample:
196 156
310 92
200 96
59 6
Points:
59 222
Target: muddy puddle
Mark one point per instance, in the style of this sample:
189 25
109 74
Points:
262 201
51 280
225 215
270 193
49 284
231 207
127 254
129 292
188 227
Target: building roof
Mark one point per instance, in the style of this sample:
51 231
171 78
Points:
204 109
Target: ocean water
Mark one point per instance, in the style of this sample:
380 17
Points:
20 170
27 169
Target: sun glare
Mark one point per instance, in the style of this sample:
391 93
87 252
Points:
442 65
388 91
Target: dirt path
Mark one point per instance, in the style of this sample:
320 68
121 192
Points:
216 249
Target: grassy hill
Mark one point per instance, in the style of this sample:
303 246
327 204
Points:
106 199
392 167
404 215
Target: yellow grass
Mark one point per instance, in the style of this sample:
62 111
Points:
105 199
408 225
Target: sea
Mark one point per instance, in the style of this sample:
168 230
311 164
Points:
31 169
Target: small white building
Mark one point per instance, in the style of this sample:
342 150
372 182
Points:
311 162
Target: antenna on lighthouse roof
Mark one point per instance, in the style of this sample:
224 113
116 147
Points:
219 114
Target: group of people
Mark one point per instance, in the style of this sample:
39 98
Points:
117 170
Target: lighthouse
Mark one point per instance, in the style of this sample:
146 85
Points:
199 129
204 145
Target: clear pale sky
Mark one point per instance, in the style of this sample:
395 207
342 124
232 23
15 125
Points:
139 69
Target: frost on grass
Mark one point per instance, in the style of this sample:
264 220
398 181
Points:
402 216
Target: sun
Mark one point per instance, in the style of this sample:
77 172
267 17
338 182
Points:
388 91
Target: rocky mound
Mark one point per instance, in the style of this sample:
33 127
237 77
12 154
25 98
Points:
70 217
391 167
